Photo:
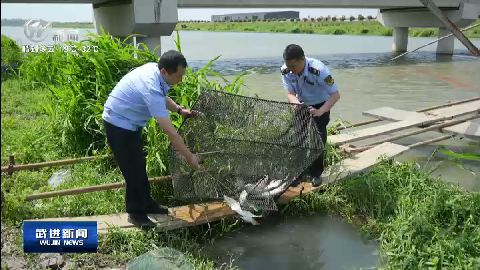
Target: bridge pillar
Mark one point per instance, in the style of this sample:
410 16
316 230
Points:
149 18
400 39
403 18
445 46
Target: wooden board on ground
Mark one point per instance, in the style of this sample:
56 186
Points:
362 134
388 113
359 163
411 121
362 161
196 214
181 216
468 129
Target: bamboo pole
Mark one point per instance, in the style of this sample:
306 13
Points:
13 168
420 110
21 167
432 140
89 189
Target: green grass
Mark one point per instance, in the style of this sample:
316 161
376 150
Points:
323 27
25 124
11 57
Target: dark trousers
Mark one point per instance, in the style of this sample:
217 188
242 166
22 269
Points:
322 121
317 167
127 149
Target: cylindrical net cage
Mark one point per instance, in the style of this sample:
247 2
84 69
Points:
245 144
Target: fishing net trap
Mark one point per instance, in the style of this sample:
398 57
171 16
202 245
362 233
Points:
250 149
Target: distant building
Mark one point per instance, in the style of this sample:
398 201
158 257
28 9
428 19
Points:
256 16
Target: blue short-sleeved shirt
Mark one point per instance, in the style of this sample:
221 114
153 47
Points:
315 85
137 97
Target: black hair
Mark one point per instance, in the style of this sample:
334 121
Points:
170 61
293 51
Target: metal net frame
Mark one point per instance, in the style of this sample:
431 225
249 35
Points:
251 149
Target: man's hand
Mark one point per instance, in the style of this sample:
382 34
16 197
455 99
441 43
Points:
186 113
298 106
316 112
194 161
177 142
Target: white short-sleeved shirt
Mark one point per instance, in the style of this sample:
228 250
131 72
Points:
137 97
315 85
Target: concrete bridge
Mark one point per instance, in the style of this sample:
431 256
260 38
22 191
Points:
155 18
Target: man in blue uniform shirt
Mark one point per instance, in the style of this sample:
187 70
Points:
308 81
138 96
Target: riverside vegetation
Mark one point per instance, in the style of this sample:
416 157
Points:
328 25
51 109
321 25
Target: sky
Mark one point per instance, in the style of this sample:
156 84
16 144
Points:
84 12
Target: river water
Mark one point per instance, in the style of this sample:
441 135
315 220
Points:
366 80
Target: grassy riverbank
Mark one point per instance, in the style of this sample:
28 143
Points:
48 112
313 27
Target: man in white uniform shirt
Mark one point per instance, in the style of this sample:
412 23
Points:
138 96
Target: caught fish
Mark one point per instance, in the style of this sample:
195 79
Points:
274 184
265 187
247 216
242 199
275 191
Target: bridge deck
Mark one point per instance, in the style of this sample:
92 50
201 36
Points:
272 3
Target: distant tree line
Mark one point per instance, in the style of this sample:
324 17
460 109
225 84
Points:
318 19
13 22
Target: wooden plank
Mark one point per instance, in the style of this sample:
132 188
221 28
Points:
392 114
181 216
388 113
196 214
362 161
467 129
419 120
349 167
457 110
380 130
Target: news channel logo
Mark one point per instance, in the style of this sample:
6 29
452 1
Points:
60 236
38 30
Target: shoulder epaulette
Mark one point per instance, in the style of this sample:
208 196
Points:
284 70
314 70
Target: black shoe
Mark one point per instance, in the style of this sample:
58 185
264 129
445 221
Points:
295 182
155 208
316 181
140 220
